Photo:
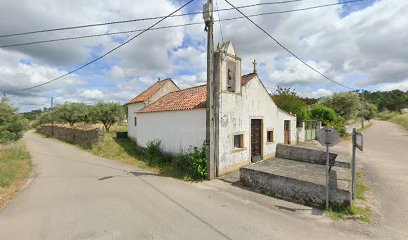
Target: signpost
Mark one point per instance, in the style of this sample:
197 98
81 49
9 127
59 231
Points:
357 140
328 137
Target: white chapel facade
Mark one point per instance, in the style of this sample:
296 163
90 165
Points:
248 122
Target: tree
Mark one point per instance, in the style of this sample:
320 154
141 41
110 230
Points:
345 104
369 110
72 112
11 123
288 100
328 117
108 113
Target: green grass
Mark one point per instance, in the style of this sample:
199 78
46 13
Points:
360 186
386 115
126 151
15 163
401 119
362 213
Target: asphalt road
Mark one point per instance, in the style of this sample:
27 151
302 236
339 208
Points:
75 195
385 164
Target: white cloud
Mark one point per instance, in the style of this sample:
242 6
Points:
92 94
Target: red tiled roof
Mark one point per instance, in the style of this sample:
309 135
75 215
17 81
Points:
190 98
245 78
149 92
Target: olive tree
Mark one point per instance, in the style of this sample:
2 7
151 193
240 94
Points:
71 112
108 113
346 104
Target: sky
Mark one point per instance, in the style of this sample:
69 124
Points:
361 45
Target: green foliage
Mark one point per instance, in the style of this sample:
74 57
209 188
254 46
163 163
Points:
199 163
14 163
369 111
394 100
345 104
12 125
288 100
328 117
386 115
153 155
71 112
107 113
401 119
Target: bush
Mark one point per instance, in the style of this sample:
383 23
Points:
199 163
12 125
386 115
346 104
329 117
154 157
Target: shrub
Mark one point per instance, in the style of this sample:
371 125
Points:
346 104
11 124
328 117
199 163
386 115
153 155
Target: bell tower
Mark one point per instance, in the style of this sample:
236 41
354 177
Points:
229 69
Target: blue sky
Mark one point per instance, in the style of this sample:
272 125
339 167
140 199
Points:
351 43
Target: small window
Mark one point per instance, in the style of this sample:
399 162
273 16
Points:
135 121
269 136
239 141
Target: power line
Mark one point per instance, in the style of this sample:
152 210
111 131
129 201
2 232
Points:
219 20
139 19
174 26
105 54
289 51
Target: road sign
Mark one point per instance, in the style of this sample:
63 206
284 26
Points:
358 141
328 136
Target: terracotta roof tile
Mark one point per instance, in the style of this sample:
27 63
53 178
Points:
149 92
190 98
246 78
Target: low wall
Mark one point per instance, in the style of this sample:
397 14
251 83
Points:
304 154
81 136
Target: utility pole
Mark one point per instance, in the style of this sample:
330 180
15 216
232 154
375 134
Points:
210 111
363 107
52 117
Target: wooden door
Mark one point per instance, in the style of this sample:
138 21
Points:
256 139
286 131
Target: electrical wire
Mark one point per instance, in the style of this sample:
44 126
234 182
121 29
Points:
289 51
219 21
174 26
103 55
138 19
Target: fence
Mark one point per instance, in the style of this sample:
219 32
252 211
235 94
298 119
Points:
81 136
311 127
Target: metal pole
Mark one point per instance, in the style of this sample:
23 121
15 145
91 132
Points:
52 117
363 107
353 165
210 123
327 170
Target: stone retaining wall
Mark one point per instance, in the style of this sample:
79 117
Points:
81 136
304 154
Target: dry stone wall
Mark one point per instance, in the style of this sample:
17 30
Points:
81 136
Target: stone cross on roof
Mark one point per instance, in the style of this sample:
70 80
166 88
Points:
254 62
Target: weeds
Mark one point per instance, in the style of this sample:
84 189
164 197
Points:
15 163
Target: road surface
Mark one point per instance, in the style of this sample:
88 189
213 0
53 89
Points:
385 164
75 195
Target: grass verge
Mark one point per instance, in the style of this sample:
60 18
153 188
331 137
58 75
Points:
15 167
187 166
356 211
401 119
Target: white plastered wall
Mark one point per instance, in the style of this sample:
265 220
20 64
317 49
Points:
177 130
